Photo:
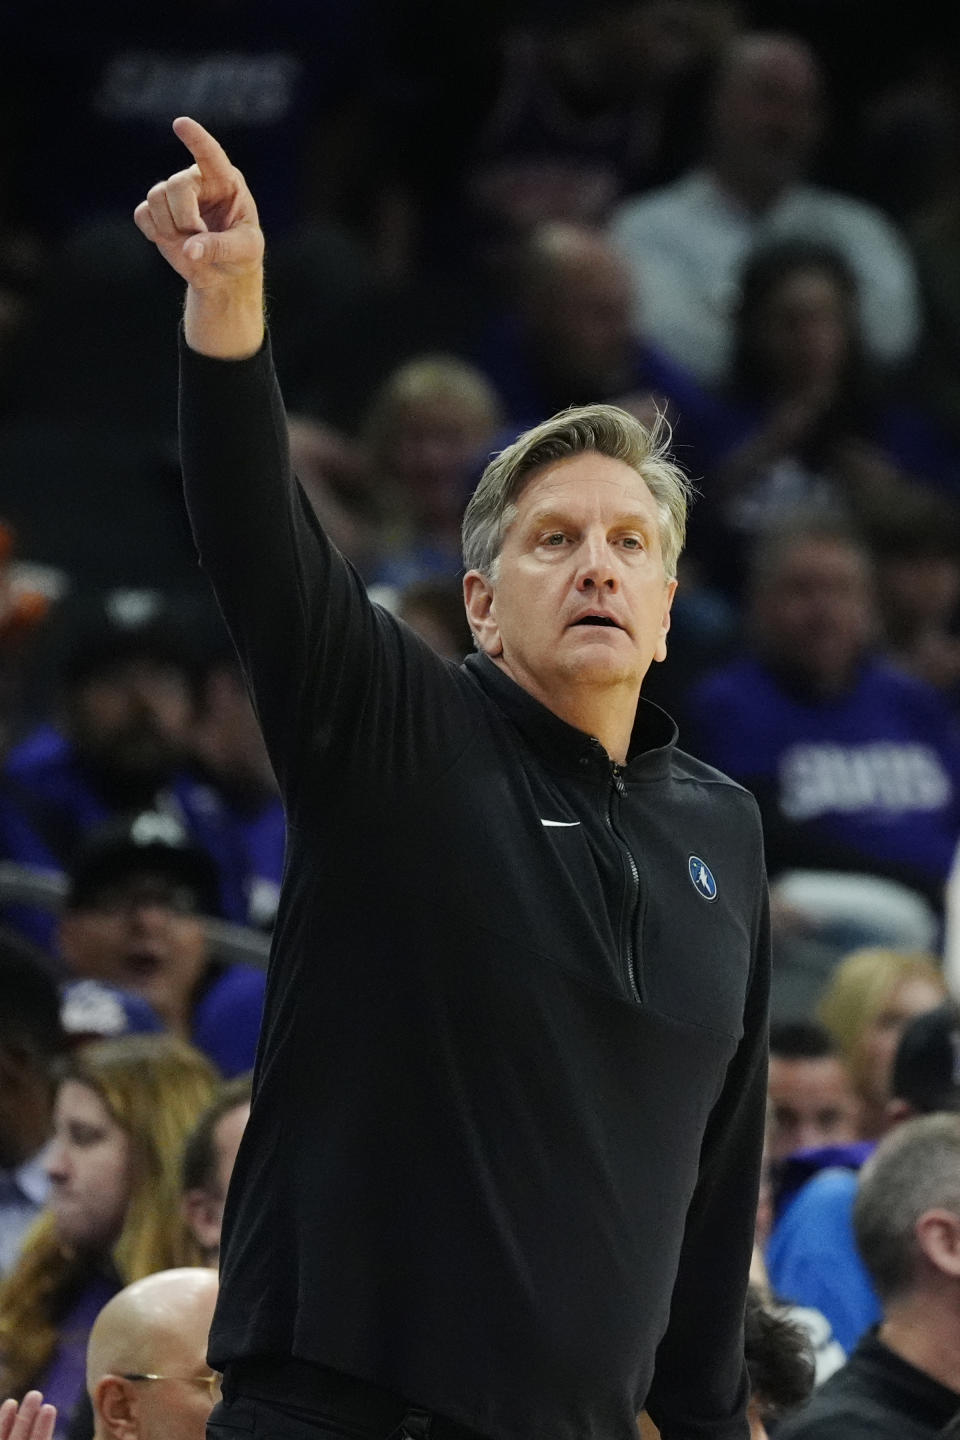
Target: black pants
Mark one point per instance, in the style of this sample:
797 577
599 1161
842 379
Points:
288 1400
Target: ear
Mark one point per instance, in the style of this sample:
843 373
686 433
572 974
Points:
897 1111
660 653
479 599
203 1217
938 1235
116 1407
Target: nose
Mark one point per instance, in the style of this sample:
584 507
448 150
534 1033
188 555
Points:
145 914
595 568
809 1136
143 704
55 1163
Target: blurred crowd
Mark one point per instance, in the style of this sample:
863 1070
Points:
744 216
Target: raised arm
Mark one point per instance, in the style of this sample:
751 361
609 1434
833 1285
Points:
331 675
204 222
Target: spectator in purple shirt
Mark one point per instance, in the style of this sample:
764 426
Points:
127 704
856 766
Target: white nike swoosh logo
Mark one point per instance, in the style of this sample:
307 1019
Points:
559 824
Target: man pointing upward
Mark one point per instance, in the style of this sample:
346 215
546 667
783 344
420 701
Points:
502 1162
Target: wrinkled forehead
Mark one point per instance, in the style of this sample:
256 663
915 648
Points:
588 483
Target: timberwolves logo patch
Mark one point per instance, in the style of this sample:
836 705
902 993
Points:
701 877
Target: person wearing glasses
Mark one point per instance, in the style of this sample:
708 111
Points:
146 1372
122 1112
147 1375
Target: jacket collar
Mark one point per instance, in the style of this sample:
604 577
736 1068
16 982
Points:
564 746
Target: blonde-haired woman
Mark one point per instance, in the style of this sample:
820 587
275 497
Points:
870 998
122 1111
392 499
428 431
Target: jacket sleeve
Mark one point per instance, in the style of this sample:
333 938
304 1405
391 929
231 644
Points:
336 681
700 1387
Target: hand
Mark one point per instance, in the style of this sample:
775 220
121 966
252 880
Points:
869 471
323 456
203 220
335 473
796 417
782 433
30 1420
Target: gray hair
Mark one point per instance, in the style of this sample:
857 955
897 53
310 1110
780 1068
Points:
916 1168
605 429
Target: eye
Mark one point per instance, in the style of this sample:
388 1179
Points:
555 539
632 542
84 1135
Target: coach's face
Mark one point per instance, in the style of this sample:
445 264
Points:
579 597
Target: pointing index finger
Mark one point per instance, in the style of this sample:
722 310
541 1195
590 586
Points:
212 160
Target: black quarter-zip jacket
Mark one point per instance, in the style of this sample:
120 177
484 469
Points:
504 1149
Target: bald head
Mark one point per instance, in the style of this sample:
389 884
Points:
578 308
564 254
156 1326
768 52
767 114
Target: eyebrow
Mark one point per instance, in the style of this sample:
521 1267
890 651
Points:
543 519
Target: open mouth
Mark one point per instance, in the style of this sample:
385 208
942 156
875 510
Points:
604 620
141 965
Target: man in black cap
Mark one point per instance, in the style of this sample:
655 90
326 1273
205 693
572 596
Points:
134 918
150 717
126 705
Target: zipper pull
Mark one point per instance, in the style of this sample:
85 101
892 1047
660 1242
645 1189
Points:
618 780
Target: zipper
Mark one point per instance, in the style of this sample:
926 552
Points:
618 788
